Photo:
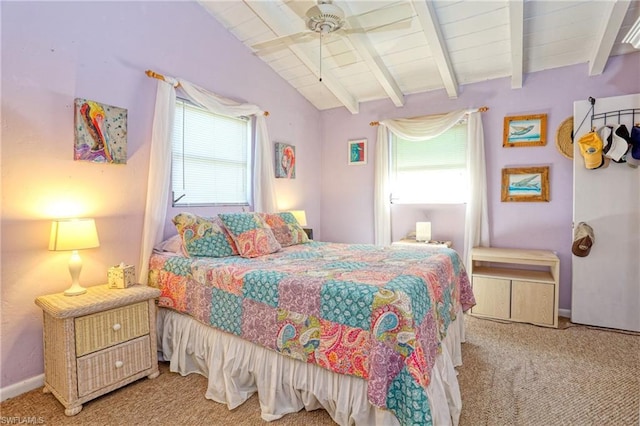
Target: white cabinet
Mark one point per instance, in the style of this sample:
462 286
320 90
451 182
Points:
515 285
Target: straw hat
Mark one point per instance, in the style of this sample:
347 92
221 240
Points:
564 138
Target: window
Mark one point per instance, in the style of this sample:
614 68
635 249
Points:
210 157
432 171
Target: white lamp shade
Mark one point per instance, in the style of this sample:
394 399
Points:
423 231
301 216
73 234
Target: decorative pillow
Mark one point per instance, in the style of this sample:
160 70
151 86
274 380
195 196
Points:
252 235
204 236
171 245
286 228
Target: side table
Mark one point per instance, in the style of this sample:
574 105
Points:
98 342
414 243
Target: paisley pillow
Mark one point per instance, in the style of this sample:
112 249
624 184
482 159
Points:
252 235
204 236
285 228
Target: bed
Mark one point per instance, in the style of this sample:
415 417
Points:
371 334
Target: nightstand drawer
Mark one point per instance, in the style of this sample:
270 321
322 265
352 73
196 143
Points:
102 369
98 331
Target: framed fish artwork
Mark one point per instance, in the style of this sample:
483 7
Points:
525 184
100 132
525 130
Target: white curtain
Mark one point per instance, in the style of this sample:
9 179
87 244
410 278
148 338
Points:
429 127
476 230
158 184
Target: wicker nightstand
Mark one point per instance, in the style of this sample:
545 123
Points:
97 342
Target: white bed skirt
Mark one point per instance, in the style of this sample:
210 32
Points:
236 369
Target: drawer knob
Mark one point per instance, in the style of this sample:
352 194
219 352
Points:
116 327
119 364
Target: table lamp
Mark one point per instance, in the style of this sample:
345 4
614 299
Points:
74 235
301 216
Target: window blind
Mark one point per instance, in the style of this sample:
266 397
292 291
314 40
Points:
210 158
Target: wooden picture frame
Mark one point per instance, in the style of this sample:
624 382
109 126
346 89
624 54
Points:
357 152
525 130
525 184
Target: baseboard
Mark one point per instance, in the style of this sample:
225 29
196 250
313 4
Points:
565 313
21 387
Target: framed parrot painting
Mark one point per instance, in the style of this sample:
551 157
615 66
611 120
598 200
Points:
285 161
100 132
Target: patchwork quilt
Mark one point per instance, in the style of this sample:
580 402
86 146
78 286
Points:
379 313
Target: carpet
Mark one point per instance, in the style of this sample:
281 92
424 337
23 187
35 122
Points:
513 374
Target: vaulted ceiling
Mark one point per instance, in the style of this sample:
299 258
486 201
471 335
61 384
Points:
388 49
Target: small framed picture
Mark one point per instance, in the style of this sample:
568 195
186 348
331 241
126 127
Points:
525 184
525 130
285 166
357 152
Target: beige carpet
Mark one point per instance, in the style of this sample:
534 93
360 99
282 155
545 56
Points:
513 374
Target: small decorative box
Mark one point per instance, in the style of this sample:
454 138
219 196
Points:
121 276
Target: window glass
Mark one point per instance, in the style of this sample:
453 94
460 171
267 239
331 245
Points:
431 171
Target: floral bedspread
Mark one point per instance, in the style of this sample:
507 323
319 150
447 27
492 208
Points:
367 311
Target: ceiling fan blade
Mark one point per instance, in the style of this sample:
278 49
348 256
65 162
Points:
283 41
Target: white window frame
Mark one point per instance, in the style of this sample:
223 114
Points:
404 189
186 185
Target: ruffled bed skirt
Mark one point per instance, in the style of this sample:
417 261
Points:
236 369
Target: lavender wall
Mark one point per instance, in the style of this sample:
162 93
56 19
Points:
347 191
53 52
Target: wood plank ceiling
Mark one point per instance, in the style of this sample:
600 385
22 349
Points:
388 49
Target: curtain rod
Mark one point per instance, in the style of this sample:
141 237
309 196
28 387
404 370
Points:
481 109
154 74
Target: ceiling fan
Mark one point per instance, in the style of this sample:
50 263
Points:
327 18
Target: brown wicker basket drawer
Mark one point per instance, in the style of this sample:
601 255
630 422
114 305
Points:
102 369
103 329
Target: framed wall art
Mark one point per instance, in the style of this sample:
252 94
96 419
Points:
285 161
525 184
525 130
357 152
100 132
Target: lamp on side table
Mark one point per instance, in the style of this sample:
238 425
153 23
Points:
301 217
74 235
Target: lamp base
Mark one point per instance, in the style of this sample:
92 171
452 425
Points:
75 290
75 266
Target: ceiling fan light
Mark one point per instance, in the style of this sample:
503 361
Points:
325 18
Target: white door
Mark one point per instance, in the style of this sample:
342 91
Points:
606 283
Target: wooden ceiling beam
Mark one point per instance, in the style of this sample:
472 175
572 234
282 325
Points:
516 29
610 27
370 56
429 20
